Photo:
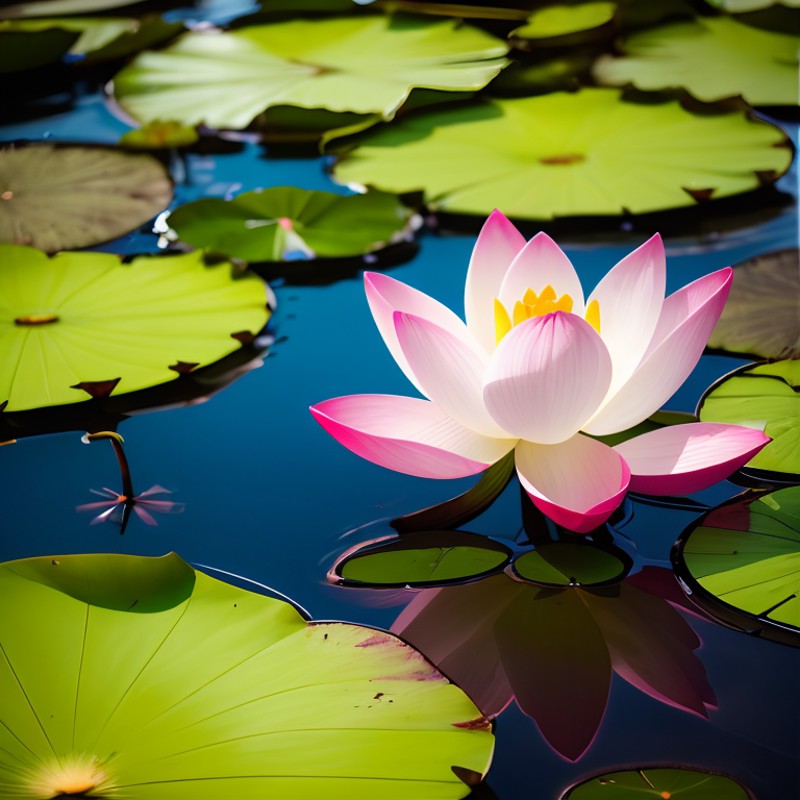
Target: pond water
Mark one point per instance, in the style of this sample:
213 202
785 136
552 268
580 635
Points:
269 497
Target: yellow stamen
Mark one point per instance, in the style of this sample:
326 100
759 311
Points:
521 312
502 322
593 315
548 294
530 298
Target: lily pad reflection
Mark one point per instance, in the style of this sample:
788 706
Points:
142 678
742 563
571 564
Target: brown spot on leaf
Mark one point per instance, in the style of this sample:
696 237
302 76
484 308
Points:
699 195
98 389
766 177
245 337
467 776
184 367
563 159
478 724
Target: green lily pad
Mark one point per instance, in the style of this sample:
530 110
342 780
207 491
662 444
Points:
764 396
558 21
420 559
761 315
712 58
742 562
284 222
571 564
366 65
561 155
742 6
64 197
659 783
82 325
159 134
139 677
48 8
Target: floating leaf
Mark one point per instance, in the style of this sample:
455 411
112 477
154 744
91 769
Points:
742 6
284 223
571 564
713 58
658 783
764 396
560 21
366 65
81 325
587 153
742 562
420 559
63 197
159 134
762 314
139 677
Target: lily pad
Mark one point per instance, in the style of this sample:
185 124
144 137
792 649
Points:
659 783
742 6
133 676
48 8
571 564
420 559
561 155
712 58
764 396
285 223
559 21
742 562
762 315
159 134
366 65
63 197
82 325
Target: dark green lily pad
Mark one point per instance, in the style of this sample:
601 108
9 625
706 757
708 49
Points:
82 325
367 65
284 223
64 197
562 155
49 8
742 562
764 396
420 559
660 783
133 676
712 58
571 564
743 6
761 316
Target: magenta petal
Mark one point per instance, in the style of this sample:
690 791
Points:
496 247
407 435
577 483
681 459
144 516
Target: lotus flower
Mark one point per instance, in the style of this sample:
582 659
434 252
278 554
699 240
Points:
535 368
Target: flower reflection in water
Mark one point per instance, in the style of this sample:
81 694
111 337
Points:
554 649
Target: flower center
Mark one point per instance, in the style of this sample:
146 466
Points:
75 776
537 305
36 319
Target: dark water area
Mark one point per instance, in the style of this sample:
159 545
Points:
270 497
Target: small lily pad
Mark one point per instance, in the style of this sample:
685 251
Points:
659 783
82 325
559 21
159 134
562 155
713 58
742 6
742 562
420 559
143 678
571 564
367 65
761 315
764 396
64 197
285 223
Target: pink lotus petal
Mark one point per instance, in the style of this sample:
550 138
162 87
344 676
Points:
686 322
449 371
98 505
496 247
541 263
100 518
160 506
547 377
387 295
577 483
157 489
408 435
681 459
144 516
630 297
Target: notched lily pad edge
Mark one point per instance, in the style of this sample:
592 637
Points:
731 617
